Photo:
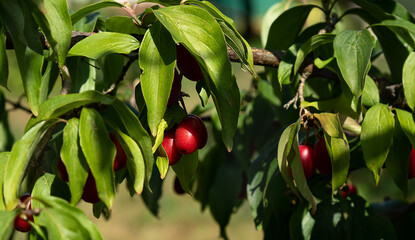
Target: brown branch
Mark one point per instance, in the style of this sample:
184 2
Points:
18 105
131 59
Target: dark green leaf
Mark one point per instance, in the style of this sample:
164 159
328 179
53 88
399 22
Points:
87 23
199 32
234 40
74 160
370 95
139 134
402 28
290 22
352 50
135 160
49 185
408 80
309 46
157 59
285 69
407 123
112 66
4 158
376 137
7 224
185 170
83 74
49 77
162 2
123 24
4 65
224 192
151 198
61 104
99 152
78 15
101 44
338 149
397 161
62 207
331 124
55 22
20 156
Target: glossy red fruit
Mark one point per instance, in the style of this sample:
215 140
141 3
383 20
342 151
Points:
188 65
188 135
306 155
178 187
170 147
203 131
63 173
349 189
90 193
121 157
411 169
176 89
321 158
22 225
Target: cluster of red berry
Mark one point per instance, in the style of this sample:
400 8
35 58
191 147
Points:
21 221
185 138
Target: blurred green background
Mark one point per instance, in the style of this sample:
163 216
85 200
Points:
180 217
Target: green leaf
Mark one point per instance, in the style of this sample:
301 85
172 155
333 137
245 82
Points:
162 163
162 2
47 185
401 27
370 95
99 152
135 159
285 69
61 104
290 22
49 77
123 24
87 23
78 15
111 66
309 46
4 158
273 13
101 44
4 65
151 198
157 59
199 32
407 123
284 147
223 194
30 65
83 74
160 134
338 149
376 137
397 162
62 207
74 160
408 80
234 40
139 134
352 50
7 224
331 124
20 156
186 169
55 22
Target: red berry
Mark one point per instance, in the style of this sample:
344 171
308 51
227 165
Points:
203 130
188 135
170 147
23 225
411 169
349 189
90 193
178 187
63 173
121 157
321 157
176 89
306 155
188 65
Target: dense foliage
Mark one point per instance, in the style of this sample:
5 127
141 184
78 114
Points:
317 112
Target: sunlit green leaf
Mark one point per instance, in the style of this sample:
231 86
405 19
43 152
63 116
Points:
78 15
408 80
7 224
